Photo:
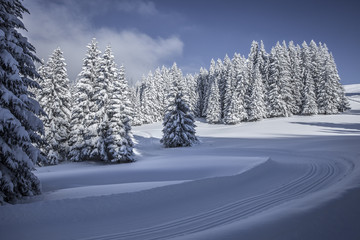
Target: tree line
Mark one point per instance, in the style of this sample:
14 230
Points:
290 80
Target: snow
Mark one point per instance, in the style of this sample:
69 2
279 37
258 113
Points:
281 178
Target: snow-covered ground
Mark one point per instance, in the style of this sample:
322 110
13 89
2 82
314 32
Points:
283 178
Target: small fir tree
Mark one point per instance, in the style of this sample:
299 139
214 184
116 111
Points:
213 114
179 123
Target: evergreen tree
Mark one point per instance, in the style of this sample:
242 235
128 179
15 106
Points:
225 83
84 124
309 106
255 98
331 96
213 114
229 88
264 70
151 107
19 123
202 89
160 92
295 74
166 80
106 75
136 118
116 144
55 100
277 106
316 65
343 102
285 79
192 93
179 123
210 79
235 111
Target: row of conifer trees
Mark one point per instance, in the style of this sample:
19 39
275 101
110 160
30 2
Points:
89 120
97 125
290 80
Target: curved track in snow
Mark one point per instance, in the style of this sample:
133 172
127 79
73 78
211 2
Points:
316 176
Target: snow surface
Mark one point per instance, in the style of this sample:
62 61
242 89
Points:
283 178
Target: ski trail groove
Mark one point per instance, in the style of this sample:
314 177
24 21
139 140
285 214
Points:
317 177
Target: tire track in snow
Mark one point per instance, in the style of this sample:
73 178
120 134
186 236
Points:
317 177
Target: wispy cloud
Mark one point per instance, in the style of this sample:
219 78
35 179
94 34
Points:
65 25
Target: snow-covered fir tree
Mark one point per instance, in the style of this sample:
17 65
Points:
202 90
264 70
285 80
255 98
309 105
331 97
207 90
235 111
136 116
343 104
19 123
213 114
276 106
225 84
192 93
116 143
295 74
84 125
103 84
160 92
55 100
150 105
179 123
229 87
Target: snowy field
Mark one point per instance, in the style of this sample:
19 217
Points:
283 178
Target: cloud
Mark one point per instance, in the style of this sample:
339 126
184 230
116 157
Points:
141 7
53 25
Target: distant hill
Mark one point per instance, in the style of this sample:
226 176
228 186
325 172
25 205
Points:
352 89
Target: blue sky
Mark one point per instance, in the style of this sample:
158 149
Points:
146 34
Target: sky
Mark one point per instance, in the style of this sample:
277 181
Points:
146 34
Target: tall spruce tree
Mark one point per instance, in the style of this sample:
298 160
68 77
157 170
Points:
285 80
202 89
19 123
106 75
55 100
255 99
213 114
309 106
235 111
207 90
136 105
295 74
277 106
116 144
84 124
179 122
264 70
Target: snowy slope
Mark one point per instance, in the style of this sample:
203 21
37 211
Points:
283 178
